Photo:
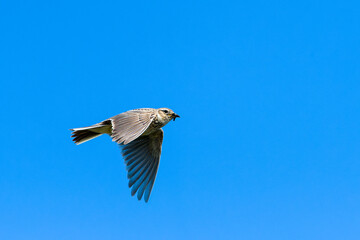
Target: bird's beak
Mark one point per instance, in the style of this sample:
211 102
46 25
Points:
175 116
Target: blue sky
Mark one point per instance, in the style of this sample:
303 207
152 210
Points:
268 142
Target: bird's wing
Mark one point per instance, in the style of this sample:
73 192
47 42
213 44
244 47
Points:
142 157
130 125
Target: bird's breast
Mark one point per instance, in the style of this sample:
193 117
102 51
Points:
155 124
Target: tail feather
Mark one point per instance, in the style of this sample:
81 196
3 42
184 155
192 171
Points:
81 135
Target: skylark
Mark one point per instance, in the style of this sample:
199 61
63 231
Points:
140 136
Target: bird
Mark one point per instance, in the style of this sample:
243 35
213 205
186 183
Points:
139 134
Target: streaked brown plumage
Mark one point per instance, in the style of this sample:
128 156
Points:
139 134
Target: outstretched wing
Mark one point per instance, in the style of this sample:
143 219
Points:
142 157
130 125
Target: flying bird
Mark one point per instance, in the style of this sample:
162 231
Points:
140 136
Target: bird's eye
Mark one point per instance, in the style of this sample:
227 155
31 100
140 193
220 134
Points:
165 111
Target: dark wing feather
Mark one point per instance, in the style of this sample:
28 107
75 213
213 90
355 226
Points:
142 157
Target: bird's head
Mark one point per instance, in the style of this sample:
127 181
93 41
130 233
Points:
167 114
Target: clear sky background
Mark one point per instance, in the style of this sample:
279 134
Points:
267 146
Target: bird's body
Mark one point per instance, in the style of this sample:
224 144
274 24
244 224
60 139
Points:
140 135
